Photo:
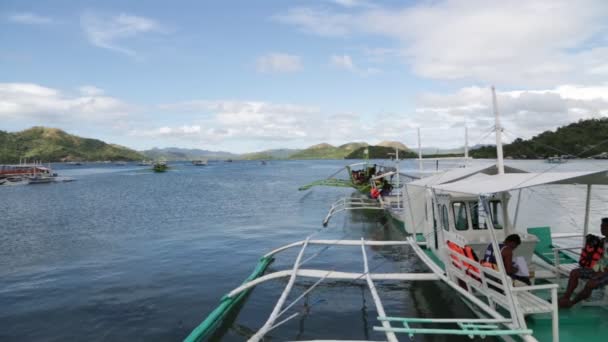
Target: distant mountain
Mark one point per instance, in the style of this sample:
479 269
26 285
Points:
322 151
393 144
176 153
349 151
282 153
353 146
379 152
585 138
437 150
53 145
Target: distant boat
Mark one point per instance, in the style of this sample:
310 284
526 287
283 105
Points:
556 160
160 166
145 163
40 179
228 160
121 163
74 163
264 162
200 162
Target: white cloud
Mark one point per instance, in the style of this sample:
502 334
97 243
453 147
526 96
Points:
524 113
346 62
350 3
90 90
342 62
106 31
27 102
536 43
30 19
279 62
321 22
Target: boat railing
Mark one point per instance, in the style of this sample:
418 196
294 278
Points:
497 288
297 271
351 203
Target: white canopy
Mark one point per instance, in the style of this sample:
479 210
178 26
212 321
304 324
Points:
485 184
460 173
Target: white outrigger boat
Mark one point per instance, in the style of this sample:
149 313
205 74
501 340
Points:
462 207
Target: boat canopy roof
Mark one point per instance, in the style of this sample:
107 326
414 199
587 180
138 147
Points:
481 184
454 175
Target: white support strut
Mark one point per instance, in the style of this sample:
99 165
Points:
337 243
277 308
372 288
334 275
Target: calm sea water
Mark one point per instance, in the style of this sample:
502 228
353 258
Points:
126 254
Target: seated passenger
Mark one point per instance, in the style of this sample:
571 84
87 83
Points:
596 273
386 188
511 266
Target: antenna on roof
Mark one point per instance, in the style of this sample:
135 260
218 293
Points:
498 129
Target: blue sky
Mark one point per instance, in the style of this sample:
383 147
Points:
249 75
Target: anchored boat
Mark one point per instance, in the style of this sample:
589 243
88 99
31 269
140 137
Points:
455 216
160 166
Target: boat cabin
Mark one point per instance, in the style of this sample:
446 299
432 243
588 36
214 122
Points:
460 218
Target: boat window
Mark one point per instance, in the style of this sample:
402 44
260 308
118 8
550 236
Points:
497 214
474 207
460 216
444 217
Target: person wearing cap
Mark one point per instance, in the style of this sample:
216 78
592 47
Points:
597 275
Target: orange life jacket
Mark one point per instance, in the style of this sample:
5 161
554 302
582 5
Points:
466 251
592 251
374 193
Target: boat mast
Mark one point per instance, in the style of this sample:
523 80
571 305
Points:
498 129
419 151
466 145
398 177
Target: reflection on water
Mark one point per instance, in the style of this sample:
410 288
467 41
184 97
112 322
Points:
124 254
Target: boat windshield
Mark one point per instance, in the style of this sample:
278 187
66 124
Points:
496 213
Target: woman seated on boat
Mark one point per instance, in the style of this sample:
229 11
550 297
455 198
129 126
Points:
511 265
596 273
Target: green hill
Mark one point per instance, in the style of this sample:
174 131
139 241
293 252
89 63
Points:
379 152
282 153
321 151
576 139
178 154
52 144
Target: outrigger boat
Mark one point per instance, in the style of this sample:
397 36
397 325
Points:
160 166
467 209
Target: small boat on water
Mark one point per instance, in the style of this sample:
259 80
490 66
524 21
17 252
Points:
145 163
556 160
160 166
120 163
40 179
200 162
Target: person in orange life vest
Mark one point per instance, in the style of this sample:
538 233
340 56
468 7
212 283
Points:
596 272
506 250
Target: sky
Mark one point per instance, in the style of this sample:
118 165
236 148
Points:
246 76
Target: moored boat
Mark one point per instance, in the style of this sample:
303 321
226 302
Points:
200 162
160 166
460 214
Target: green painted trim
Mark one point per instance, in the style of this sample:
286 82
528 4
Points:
400 225
544 247
434 257
226 304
